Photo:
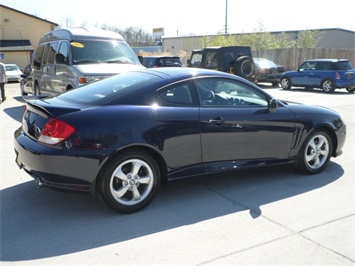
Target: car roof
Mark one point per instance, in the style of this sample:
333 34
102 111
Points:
165 72
326 60
162 56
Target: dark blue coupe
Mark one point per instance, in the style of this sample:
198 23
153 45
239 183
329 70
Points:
121 137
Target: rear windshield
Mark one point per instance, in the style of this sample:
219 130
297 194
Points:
110 89
343 65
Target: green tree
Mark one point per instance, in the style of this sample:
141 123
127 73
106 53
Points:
260 39
308 39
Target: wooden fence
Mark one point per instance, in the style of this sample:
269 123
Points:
292 58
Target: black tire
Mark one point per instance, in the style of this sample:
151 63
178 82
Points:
23 93
37 90
244 67
327 86
351 90
285 83
130 182
315 153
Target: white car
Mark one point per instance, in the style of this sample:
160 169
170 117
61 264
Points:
13 72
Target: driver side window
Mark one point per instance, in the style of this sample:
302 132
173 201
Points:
228 93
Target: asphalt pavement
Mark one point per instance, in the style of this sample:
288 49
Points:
270 216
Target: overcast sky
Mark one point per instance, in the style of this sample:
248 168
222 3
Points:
195 17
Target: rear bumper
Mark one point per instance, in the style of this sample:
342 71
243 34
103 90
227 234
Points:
52 167
345 83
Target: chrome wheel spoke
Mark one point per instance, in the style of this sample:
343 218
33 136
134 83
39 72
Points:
136 166
145 179
119 193
311 157
120 175
136 194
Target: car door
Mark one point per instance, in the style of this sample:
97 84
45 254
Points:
179 132
305 75
237 126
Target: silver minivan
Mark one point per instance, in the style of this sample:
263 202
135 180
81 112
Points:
70 58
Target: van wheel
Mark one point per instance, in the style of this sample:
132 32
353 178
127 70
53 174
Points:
23 93
351 90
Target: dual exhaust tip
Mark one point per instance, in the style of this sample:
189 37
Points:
39 182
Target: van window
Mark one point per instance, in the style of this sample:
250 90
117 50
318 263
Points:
51 52
37 59
64 50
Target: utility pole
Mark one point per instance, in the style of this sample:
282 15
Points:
226 24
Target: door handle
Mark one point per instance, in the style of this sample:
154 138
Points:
217 120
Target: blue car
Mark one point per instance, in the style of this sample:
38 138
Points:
326 74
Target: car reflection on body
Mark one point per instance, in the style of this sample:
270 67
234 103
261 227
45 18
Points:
267 71
121 137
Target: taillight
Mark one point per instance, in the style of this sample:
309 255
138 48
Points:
24 111
55 131
337 76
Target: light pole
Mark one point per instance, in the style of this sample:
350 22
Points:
226 25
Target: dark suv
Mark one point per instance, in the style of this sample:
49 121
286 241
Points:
327 74
162 61
236 60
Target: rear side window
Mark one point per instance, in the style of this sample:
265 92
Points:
64 50
177 94
52 50
169 61
148 62
211 60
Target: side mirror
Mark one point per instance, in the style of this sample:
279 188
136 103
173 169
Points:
273 104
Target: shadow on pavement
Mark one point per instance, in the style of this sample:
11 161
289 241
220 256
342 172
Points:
44 223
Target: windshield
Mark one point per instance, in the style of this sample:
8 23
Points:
12 68
102 51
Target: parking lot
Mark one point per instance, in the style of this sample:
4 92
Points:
270 216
